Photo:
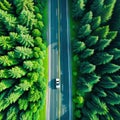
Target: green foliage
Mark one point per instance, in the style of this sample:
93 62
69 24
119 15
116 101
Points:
86 53
99 106
85 88
5 5
107 83
116 53
86 67
92 78
77 114
112 35
26 40
23 103
84 31
39 25
36 33
12 113
92 40
22 29
96 57
87 18
21 4
96 21
7 61
4 74
116 78
8 20
17 72
101 58
21 74
109 68
102 44
6 83
102 32
39 16
112 98
97 7
79 8
100 92
31 65
23 52
38 41
107 11
6 43
27 18
79 46
34 94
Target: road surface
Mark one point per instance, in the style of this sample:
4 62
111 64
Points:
59 100
65 62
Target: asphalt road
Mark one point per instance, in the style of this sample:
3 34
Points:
59 100
65 65
53 93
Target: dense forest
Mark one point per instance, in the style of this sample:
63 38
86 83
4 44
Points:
22 54
96 54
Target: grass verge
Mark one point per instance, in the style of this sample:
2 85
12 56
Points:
45 20
73 25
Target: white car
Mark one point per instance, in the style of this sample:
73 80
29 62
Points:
57 83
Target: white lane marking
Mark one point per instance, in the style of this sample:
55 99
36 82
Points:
70 109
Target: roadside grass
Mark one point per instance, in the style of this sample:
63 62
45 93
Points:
45 21
45 62
73 25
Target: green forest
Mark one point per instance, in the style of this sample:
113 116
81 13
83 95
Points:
96 59
22 55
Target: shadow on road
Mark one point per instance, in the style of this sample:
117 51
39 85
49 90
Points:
51 84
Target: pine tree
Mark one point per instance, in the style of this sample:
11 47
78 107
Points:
96 21
108 68
112 35
86 67
27 18
107 83
102 32
12 113
112 98
100 92
26 40
6 43
87 18
79 46
8 20
17 72
107 11
102 44
97 7
91 40
92 78
101 58
116 53
86 53
6 83
84 31
23 52
23 103
79 8
21 4
100 107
